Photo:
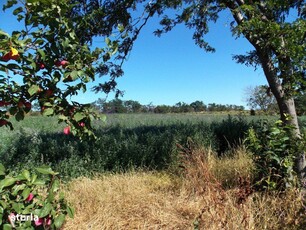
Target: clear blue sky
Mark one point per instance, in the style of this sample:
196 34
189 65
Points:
172 68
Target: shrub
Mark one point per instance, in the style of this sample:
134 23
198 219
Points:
32 201
274 151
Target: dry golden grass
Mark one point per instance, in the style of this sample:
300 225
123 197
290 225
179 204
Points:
129 201
196 200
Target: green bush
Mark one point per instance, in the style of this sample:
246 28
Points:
32 201
274 151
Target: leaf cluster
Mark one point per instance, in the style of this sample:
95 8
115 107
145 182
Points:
32 194
274 150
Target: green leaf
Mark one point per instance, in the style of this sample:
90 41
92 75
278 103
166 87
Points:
47 104
48 112
17 10
3 204
12 66
55 185
62 117
42 54
45 170
7 182
34 177
45 210
18 188
79 116
120 28
2 170
33 89
26 193
18 207
107 41
26 174
70 211
9 4
102 118
19 116
74 75
7 227
13 110
50 197
4 34
39 182
59 220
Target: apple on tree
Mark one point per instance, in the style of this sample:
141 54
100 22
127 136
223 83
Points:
12 55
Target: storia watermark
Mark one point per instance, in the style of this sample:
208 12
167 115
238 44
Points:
21 218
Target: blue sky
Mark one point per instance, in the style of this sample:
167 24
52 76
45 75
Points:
172 68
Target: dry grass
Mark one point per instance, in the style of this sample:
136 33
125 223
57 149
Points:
196 200
130 201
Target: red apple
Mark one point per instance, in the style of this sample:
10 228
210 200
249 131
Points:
48 221
39 222
15 57
6 57
14 54
3 103
3 122
64 63
41 65
20 104
28 105
30 197
58 63
67 130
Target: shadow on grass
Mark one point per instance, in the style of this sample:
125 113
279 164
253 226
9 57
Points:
118 148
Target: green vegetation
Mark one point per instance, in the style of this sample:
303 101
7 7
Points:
274 152
125 141
32 200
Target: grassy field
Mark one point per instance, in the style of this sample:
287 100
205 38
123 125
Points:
125 141
156 171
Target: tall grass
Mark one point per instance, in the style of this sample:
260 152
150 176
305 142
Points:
125 141
193 199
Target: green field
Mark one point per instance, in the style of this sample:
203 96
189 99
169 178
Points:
125 141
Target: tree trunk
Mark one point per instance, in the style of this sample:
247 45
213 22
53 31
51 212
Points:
285 103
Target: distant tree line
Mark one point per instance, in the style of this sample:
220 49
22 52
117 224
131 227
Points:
131 106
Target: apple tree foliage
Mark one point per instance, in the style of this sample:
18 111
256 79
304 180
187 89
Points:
51 60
